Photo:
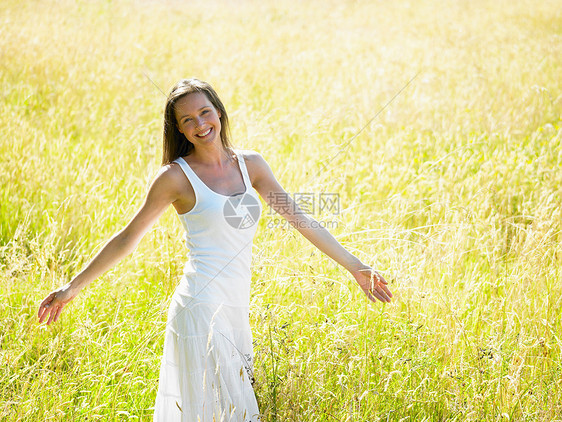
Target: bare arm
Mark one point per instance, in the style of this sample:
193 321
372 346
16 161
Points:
372 283
164 190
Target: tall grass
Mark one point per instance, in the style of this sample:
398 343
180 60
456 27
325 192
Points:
453 192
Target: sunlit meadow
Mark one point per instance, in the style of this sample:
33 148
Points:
452 190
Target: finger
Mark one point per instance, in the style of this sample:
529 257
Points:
46 308
59 310
45 301
382 285
371 297
381 294
45 316
378 296
380 278
44 312
374 295
51 315
386 290
387 293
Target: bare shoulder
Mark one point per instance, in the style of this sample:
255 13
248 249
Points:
171 179
170 174
251 155
258 169
254 161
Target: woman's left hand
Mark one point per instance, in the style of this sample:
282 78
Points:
52 305
372 283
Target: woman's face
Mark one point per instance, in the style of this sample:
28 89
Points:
198 119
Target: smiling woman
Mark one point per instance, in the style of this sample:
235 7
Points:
179 118
206 370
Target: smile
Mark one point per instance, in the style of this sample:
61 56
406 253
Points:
202 135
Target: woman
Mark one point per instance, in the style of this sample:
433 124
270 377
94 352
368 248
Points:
206 369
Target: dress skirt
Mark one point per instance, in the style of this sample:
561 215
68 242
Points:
206 371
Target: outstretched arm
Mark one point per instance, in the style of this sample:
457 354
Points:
164 190
372 283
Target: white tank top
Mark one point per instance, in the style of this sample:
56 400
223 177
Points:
219 232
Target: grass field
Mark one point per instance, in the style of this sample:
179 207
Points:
453 192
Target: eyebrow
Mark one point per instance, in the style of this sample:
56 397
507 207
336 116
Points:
185 115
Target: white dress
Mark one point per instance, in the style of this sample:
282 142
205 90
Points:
206 371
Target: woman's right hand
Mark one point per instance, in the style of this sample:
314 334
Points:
53 304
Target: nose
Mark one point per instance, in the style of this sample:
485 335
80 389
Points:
199 121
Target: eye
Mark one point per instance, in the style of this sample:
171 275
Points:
205 111
187 120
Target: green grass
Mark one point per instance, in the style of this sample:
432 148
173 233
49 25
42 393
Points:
453 192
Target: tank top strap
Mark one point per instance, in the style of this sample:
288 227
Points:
196 183
244 170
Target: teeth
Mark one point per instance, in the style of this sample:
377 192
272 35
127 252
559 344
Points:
205 134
